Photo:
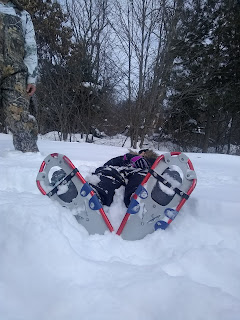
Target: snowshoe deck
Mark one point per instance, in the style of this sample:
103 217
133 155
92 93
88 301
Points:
161 195
67 186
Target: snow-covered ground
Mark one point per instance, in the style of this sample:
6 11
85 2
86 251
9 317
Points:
51 269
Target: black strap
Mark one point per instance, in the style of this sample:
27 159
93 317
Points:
181 193
65 180
168 184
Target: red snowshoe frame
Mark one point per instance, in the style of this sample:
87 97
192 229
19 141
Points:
42 181
145 180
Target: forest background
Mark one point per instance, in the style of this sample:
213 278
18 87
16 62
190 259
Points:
162 70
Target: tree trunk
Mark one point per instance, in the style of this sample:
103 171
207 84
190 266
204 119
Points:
229 135
207 134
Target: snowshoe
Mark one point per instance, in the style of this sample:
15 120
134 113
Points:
161 195
60 180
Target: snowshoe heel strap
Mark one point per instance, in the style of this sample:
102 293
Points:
168 184
65 180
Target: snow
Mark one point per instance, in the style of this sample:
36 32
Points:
174 183
51 269
63 189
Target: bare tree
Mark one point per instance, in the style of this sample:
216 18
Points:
135 25
169 21
89 21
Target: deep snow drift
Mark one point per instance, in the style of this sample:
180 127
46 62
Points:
51 269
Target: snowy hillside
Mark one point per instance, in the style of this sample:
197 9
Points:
51 269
